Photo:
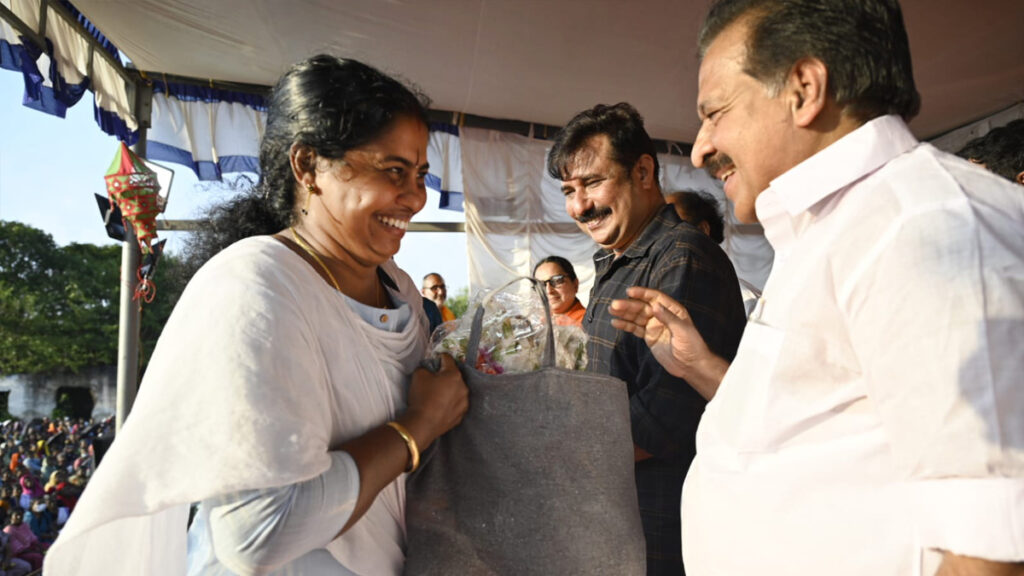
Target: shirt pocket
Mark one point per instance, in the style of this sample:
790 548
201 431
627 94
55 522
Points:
738 408
785 384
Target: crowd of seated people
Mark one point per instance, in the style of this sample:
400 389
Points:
44 467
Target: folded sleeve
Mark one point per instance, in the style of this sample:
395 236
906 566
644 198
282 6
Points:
972 516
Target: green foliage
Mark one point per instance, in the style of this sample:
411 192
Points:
458 303
59 307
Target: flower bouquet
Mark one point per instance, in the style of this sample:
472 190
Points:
513 335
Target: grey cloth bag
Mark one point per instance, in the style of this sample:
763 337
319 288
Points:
537 479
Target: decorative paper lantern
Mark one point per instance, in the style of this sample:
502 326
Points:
133 187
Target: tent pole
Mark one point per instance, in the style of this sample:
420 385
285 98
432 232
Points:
131 309
128 328
131 315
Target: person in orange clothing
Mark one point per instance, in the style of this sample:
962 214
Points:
559 279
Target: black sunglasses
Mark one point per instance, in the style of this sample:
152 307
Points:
555 281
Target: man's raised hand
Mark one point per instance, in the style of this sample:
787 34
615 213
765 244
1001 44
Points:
666 327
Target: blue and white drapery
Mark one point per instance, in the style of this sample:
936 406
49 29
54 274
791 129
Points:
445 157
58 75
211 131
216 131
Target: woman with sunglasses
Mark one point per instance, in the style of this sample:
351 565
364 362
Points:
560 282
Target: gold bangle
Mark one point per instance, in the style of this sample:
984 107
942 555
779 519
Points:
410 443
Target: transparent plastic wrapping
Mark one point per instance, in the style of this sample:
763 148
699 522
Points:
513 336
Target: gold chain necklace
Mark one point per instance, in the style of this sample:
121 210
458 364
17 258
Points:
309 250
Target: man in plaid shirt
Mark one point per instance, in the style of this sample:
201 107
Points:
609 172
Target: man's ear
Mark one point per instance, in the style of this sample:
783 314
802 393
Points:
1020 178
303 162
704 227
807 90
644 170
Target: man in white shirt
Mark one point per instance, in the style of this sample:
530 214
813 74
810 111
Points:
872 421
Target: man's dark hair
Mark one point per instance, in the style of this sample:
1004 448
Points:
700 207
863 44
1001 150
561 262
623 126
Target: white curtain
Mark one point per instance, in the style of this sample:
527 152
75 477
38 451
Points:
515 215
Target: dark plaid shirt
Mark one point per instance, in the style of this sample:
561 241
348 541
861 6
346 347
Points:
684 263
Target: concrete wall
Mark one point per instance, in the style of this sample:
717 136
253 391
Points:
36 395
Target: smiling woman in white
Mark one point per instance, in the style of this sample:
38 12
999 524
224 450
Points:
283 396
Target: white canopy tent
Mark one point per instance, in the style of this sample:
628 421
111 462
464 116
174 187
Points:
543 61
531 61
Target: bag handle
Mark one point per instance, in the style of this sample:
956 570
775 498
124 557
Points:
547 359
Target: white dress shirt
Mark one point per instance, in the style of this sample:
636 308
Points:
875 409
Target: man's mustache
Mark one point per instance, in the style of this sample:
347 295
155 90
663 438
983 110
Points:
593 213
715 163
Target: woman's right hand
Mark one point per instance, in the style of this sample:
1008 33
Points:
437 402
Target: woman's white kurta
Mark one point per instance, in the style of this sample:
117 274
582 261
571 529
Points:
260 371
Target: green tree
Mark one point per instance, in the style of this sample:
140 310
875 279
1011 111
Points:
59 307
31 298
458 303
87 329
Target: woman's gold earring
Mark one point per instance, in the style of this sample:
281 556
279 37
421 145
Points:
310 190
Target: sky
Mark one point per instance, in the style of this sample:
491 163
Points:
50 169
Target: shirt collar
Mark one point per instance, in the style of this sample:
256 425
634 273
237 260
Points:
665 218
843 162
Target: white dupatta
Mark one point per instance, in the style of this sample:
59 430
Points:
261 369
